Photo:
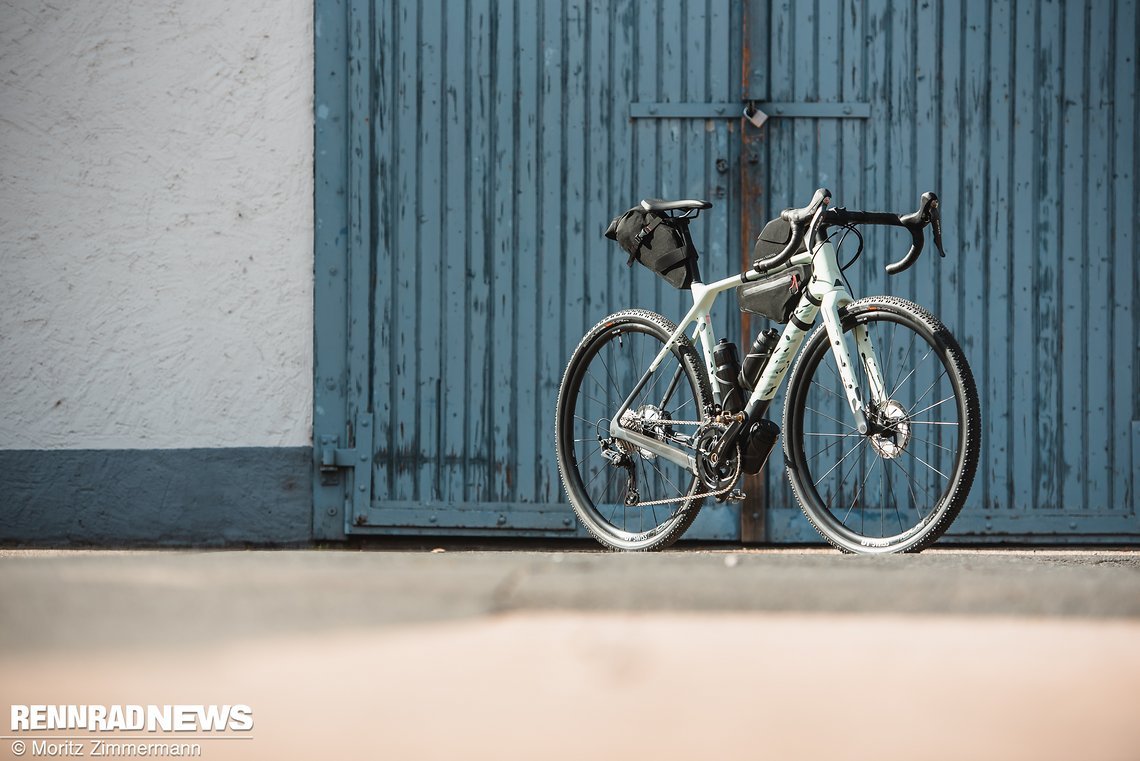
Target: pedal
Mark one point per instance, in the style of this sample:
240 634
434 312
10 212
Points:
736 495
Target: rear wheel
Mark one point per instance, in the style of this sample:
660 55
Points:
627 497
899 486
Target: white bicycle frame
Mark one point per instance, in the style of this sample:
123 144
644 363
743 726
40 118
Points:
826 289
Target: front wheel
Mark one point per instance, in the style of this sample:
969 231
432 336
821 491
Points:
897 487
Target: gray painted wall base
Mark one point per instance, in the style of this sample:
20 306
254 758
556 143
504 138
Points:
175 497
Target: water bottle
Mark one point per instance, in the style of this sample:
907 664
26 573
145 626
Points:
727 366
757 357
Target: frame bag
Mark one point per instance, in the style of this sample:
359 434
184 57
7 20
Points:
654 240
774 297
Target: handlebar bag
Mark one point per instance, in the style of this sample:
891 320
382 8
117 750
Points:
773 238
775 297
655 240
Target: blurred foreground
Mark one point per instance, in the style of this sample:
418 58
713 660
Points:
405 654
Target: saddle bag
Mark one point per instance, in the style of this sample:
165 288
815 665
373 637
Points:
655 241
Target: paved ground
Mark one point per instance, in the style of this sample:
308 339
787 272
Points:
525 652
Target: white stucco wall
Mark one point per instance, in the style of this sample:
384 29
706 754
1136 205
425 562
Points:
156 251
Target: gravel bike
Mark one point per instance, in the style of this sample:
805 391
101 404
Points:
881 419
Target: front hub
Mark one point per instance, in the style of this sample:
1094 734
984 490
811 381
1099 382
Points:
892 431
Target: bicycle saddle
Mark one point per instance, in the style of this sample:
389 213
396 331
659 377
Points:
658 204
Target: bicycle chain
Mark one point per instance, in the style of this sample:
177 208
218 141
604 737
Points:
687 497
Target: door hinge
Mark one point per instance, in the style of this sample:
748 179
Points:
333 458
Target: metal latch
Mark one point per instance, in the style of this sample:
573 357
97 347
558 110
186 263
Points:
332 458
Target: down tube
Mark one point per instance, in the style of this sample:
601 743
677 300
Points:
790 341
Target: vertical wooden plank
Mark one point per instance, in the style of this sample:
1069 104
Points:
670 75
925 94
456 250
553 349
330 226
778 191
1125 400
782 168
966 314
719 255
477 179
828 81
1096 465
851 131
952 160
501 189
599 107
804 170
1022 401
881 243
528 417
759 488
992 368
360 265
1074 248
645 176
579 236
429 340
404 257
1047 58
385 135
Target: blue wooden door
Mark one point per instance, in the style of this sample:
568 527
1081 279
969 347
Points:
1022 116
487 145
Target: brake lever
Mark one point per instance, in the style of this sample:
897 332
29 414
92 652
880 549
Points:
936 223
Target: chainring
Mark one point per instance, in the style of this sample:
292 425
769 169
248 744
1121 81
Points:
718 475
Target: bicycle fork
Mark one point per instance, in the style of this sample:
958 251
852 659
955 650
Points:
833 296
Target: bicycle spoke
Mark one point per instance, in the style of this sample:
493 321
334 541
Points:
595 401
597 383
924 409
931 443
895 505
929 388
609 375
902 365
859 493
682 406
593 451
924 462
930 422
910 487
829 417
840 462
912 372
832 444
595 478
825 388
665 477
842 477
